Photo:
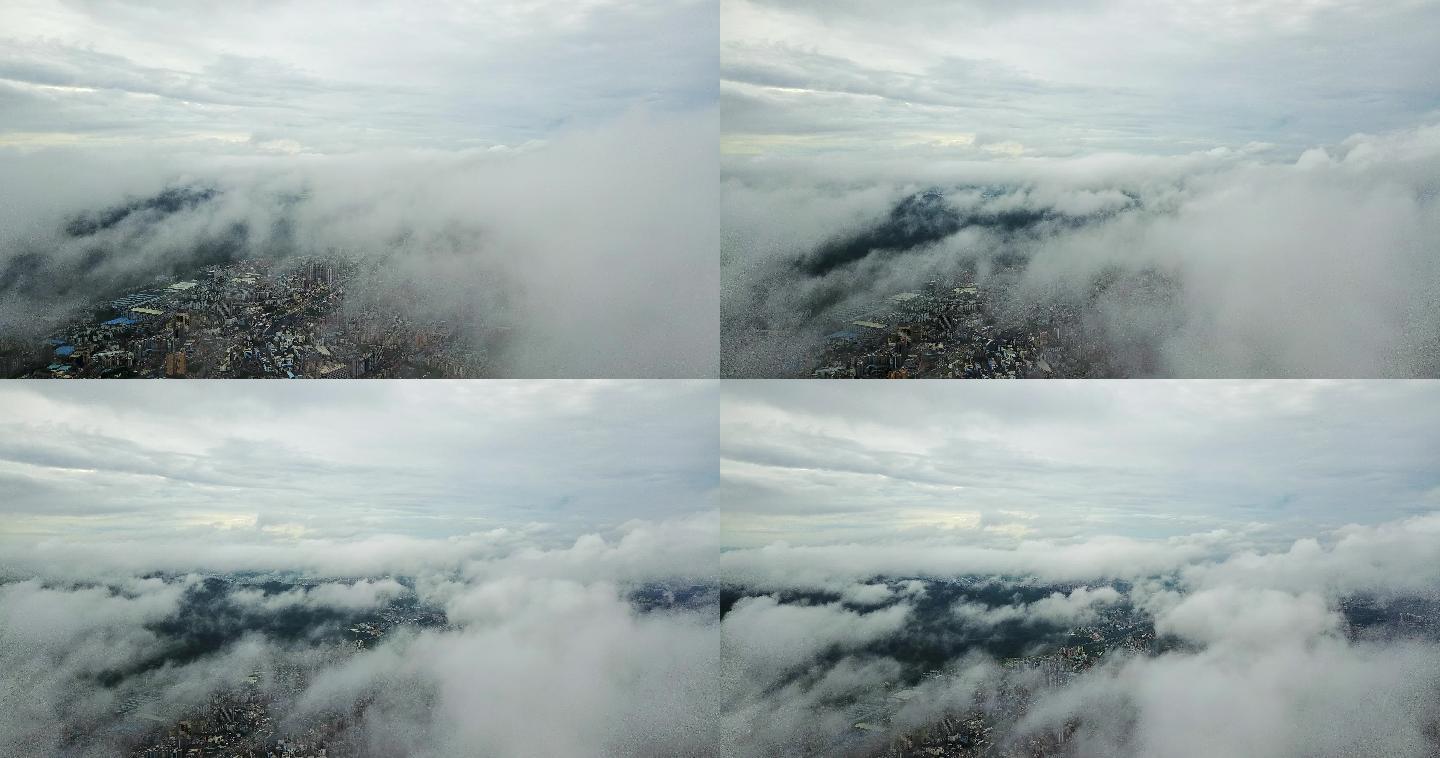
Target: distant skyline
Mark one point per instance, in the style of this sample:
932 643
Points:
313 77
996 464
985 80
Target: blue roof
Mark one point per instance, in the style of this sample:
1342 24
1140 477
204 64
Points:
64 350
122 321
842 335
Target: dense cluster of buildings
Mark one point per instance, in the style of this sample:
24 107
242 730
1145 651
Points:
367 633
241 724
950 331
254 319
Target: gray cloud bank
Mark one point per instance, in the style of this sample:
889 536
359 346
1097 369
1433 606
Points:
1211 264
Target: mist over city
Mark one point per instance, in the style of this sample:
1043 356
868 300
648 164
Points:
488 195
1107 189
1014 571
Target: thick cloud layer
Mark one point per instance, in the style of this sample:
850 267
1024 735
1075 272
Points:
541 651
1220 263
520 678
1249 663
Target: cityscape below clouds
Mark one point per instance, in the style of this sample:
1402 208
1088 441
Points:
1080 568
308 569
684 568
1106 189
457 191
619 277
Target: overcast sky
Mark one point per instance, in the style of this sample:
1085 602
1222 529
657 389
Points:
998 463
335 77
219 462
980 78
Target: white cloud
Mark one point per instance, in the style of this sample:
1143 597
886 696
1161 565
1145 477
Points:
536 667
1248 617
766 638
867 594
1073 609
1330 699
364 594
